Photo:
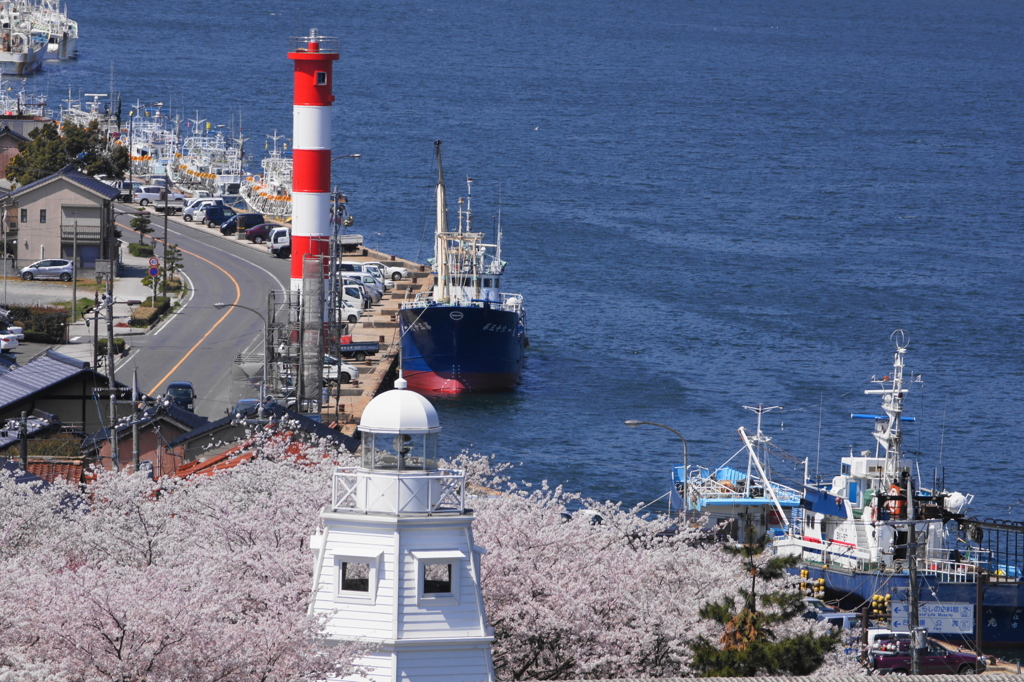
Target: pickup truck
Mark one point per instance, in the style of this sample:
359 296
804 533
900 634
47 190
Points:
358 351
172 206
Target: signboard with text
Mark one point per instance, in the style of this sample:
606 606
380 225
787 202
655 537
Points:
942 617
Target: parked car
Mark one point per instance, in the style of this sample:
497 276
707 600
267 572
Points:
392 272
242 221
279 242
125 188
153 193
935 660
339 372
373 294
840 621
260 233
354 295
8 341
182 394
197 205
216 215
369 282
53 268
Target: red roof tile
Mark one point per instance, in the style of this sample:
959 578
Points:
51 471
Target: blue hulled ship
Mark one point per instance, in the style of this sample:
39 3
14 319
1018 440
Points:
466 334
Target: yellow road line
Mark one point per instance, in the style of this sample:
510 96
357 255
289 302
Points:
238 297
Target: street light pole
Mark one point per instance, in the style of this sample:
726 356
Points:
266 343
686 463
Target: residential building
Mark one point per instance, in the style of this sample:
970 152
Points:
65 215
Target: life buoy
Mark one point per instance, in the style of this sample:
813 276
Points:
895 506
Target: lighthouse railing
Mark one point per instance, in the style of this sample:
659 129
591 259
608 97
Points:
364 491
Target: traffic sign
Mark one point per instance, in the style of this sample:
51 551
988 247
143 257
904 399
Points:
153 272
943 617
154 262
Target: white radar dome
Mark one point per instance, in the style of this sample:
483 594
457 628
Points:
399 411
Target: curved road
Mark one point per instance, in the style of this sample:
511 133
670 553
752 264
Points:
198 342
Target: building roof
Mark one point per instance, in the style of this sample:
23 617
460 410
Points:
169 411
50 471
39 374
277 413
6 130
68 172
400 411
20 475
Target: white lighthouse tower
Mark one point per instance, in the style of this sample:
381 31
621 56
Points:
396 565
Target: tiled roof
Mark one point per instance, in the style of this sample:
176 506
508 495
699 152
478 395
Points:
51 471
69 172
20 475
6 130
186 419
278 412
40 373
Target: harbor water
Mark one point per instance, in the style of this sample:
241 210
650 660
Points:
706 205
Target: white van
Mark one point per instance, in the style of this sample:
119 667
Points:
279 242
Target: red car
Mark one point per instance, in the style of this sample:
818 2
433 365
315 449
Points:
259 233
935 660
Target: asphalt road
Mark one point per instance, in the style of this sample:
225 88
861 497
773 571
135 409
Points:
198 343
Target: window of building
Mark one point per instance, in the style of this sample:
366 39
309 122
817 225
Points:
356 576
321 78
437 576
42 215
24 215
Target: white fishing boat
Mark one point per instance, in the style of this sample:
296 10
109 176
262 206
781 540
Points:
742 501
270 192
209 161
58 31
98 108
152 139
20 51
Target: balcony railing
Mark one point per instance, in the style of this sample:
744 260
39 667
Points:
364 491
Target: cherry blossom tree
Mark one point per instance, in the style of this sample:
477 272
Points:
208 578
202 579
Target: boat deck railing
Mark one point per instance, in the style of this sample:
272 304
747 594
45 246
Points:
708 488
512 303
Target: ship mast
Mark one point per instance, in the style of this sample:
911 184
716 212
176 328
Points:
441 257
890 435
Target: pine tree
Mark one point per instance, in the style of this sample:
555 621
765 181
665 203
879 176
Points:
749 645
141 224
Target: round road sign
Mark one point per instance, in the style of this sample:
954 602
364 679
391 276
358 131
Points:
153 272
154 261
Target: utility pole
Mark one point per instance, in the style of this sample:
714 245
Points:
74 275
23 445
110 349
167 194
135 420
915 631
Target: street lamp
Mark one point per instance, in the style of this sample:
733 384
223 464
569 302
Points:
686 465
266 336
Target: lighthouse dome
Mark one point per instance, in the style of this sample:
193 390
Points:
399 411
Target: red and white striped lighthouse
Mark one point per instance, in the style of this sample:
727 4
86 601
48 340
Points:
313 58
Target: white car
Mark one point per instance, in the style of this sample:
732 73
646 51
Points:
197 205
154 193
393 272
8 341
339 372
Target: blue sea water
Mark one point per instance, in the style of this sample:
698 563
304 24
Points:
707 204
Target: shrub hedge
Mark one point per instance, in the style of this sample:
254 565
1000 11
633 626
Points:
140 250
101 346
46 323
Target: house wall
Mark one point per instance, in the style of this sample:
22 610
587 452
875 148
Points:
65 204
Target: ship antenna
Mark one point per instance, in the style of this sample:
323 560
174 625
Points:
497 251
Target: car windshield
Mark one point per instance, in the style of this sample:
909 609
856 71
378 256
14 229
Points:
179 391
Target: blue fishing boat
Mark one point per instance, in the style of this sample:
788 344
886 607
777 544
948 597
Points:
876 524
466 335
